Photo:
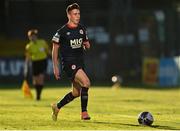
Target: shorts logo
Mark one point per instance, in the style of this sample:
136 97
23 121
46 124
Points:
73 67
81 32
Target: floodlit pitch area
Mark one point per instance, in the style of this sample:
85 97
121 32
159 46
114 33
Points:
110 109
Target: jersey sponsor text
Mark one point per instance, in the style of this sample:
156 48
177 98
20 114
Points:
76 43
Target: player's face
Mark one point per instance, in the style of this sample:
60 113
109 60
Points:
32 37
74 16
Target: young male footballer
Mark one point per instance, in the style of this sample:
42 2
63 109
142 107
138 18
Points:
70 41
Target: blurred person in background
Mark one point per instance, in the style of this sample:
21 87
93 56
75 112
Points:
37 51
70 41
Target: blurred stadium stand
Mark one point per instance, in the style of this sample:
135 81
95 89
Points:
122 32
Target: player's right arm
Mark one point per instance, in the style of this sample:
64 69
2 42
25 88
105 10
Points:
55 62
28 53
27 60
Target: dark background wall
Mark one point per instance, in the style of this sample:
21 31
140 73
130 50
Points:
122 32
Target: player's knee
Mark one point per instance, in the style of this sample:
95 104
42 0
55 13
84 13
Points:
76 94
86 83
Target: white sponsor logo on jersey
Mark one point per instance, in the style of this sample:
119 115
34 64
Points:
68 33
86 36
73 67
56 37
76 43
81 32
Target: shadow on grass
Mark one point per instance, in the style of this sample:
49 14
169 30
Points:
164 127
137 125
151 87
113 123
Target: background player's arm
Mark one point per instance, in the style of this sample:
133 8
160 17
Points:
26 63
47 49
55 60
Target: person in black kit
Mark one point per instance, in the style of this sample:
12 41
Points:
70 41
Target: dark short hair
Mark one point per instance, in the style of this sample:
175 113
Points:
71 7
32 32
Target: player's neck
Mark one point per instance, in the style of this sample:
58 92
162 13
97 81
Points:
71 24
34 40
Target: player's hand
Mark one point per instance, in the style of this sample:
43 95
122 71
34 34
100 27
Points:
86 45
56 73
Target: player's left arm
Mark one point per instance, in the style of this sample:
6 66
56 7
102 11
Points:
27 60
47 49
86 43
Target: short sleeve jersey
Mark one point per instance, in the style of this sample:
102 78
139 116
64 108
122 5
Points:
37 50
71 41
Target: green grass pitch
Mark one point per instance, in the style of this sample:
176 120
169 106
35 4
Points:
109 109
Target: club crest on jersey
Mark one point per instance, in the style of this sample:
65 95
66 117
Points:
81 31
73 67
76 43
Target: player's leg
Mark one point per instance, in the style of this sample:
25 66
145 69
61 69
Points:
76 89
39 69
84 81
70 96
35 77
36 86
39 84
66 99
82 78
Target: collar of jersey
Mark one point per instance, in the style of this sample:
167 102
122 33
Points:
71 27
